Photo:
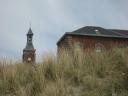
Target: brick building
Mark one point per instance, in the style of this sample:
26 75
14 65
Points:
29 51
93 38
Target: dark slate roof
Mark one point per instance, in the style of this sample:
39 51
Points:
29 46
30 31
98 31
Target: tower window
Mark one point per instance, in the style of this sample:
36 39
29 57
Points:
29 39
99 47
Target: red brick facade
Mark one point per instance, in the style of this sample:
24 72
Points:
29 56
93 38
90 42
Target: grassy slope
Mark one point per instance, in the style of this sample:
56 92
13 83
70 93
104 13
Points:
90 74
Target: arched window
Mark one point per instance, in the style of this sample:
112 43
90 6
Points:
99 47
78 46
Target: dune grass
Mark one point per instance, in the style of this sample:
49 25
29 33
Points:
81 74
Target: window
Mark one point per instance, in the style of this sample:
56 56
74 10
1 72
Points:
78 46
97 31
29 39
99 47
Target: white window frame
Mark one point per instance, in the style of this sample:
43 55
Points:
99 47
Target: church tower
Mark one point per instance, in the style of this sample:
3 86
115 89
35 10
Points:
29 51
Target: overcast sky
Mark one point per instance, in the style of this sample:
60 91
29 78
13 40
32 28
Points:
50 19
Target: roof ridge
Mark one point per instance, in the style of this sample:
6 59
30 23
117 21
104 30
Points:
119 29
101 32
88 27
118 33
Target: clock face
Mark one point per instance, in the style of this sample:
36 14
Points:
29 59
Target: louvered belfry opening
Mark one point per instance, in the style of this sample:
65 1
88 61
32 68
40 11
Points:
29 51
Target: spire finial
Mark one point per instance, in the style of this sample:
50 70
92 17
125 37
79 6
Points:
30 24
30 31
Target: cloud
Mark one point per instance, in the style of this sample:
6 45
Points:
51 18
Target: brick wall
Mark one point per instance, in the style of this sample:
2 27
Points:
89 42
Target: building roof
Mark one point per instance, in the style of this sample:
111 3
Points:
29 44
30 47
99 32
30 31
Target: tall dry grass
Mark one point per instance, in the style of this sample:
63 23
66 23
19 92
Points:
81 74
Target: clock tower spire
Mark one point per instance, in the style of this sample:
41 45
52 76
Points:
29 51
